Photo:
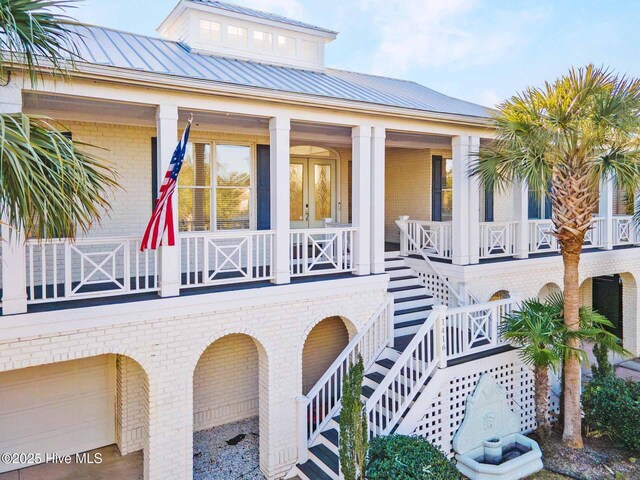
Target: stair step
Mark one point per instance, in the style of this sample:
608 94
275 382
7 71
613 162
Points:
395 269
375 377
404 277
412 299
409 323
386 363
367 391
313 471
331 435
405 288
329 458
412 310
400 343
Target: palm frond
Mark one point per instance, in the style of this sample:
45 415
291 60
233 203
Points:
36 33
48 185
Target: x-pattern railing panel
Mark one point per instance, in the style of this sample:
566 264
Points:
227 258
100 267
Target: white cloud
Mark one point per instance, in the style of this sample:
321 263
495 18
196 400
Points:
434 33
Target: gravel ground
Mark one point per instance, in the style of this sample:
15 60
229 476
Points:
215 457
599 460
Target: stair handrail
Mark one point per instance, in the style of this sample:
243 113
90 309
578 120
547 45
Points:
313 411
402 225
422 355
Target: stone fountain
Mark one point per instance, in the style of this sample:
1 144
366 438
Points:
488 444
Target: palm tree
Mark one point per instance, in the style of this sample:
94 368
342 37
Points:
570 134
48 186
537 329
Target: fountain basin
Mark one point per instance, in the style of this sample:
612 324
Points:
521 457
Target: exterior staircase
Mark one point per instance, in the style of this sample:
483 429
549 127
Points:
412 307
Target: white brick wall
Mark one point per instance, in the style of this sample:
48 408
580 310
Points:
132 405
225 382
321 348
168 342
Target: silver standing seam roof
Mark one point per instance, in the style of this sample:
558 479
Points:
104 46
260 14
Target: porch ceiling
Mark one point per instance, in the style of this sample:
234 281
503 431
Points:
416 140
70 108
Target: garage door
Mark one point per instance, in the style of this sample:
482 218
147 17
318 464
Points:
63 408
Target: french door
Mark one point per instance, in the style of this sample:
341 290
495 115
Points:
312 191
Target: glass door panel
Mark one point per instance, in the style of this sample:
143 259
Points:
298 193
322 201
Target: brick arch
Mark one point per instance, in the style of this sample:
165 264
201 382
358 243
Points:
547 289
501 294
211 413
340 329
45 358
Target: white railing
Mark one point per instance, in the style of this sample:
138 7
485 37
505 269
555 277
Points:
541 237
405 378
497 239
433 238
595 235
213 258
60 269
320 251
322 402
474 328
624 230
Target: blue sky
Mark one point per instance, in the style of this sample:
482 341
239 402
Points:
479 50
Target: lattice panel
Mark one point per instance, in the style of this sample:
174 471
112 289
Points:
436 287
445 414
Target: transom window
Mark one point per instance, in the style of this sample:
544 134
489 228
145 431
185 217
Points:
308 50
286 45
262 40
215 187
237 35
210 30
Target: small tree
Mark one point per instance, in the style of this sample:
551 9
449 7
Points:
537 329
354 431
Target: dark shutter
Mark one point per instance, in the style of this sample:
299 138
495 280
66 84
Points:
436 191
548 207
263 187
154 170
488 204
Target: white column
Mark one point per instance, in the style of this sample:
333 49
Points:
169 256
521 206
14 289
474 202
606 211
377 199
461 196
361 162
279 130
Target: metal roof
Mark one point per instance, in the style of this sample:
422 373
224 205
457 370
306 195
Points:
103 46
260 14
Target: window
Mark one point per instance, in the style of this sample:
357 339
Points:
262 40
621 203
286 45
233 186
308 50
237 35
194 189
210 30
539 205
215 197
447 190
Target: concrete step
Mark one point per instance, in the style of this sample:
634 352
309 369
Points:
411 313
421 300
400 271
405 291
404 281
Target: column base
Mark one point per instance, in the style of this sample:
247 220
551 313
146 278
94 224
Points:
14 306
169 289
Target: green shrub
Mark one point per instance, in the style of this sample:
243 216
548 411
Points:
399 457
612 407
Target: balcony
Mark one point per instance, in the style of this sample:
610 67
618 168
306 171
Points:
500 240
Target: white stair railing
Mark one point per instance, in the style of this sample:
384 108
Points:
316 408
406 236
406 377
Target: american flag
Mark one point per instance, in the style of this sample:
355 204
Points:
161 220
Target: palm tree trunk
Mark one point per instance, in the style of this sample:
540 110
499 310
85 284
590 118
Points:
572 435
541 380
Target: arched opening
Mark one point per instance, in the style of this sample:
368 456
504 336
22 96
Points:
500 295
227 397
548 290
322 346
88 406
